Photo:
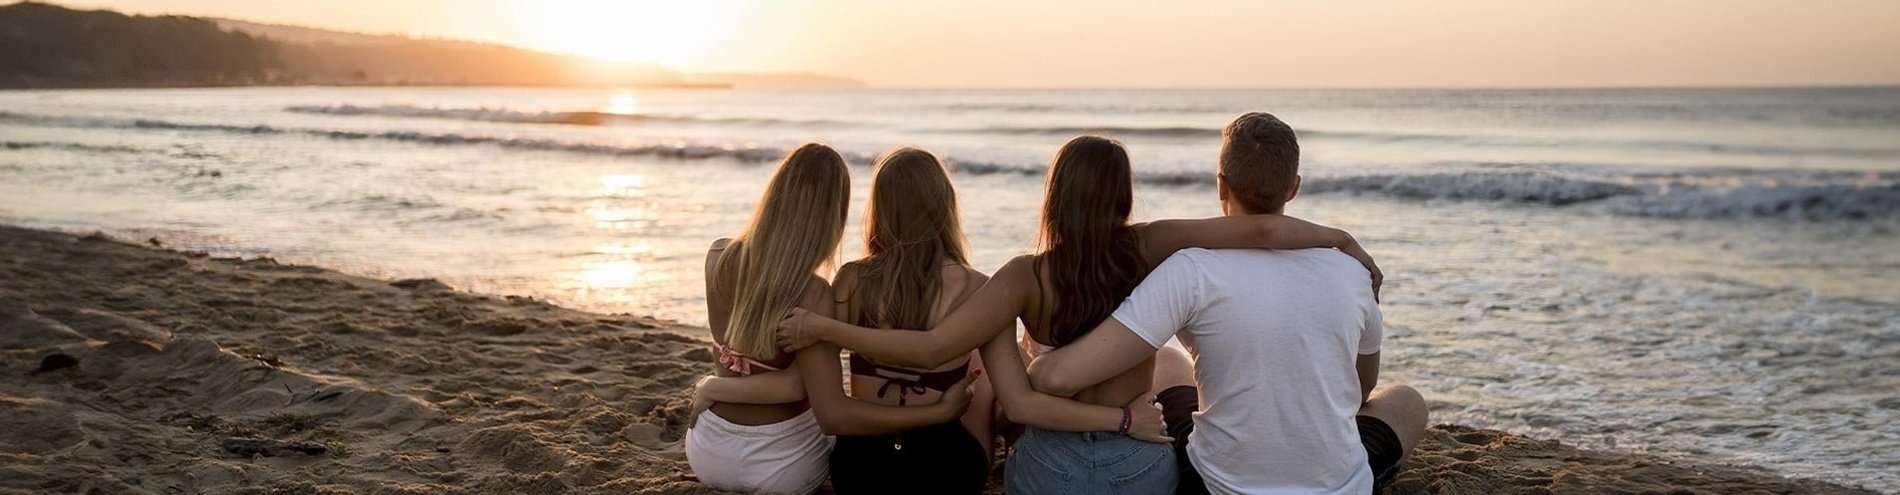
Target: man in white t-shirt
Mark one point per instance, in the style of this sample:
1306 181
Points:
1285 350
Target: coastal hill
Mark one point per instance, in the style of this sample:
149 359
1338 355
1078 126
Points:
44 45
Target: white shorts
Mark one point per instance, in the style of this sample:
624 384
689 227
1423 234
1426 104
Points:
788 457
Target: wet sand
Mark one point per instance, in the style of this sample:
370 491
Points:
133 369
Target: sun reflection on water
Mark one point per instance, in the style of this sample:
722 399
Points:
621 273
623 103
623 185
611 275
621 205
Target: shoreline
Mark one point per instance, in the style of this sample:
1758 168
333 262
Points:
190 373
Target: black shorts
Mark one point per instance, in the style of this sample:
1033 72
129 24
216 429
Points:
942 458
1179 403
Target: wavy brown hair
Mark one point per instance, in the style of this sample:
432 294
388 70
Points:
1092 256
793 234
910 227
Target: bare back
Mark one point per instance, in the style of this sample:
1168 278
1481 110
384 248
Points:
956 285
719 311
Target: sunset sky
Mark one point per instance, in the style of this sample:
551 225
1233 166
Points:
1193 43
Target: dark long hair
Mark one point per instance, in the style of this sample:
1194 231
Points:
1093 258
910 226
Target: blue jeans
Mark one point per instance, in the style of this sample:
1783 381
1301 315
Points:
1046 462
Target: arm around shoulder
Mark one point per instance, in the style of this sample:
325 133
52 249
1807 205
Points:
1161 238
994 305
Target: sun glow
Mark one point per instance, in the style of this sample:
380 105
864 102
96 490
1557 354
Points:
671 33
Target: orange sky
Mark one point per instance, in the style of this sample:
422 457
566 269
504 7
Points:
1187 43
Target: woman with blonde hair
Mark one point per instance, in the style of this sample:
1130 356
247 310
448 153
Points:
751 280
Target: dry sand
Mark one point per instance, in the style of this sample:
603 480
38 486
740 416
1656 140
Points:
172 372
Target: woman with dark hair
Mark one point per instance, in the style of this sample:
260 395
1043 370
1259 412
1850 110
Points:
1090 258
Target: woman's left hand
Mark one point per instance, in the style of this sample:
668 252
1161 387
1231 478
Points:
1145 420
701 402
797 330
1358 252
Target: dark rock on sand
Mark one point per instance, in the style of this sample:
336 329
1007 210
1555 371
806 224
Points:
57 362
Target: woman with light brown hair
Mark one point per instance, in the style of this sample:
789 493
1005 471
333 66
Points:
1090 258
915 270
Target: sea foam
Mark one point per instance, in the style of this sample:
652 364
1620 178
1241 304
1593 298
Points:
1713 194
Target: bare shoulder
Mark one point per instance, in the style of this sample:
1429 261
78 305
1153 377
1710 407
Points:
963 279
845 282
1020 271
1150 236
714 251
975 276
817 292
713 254
848 271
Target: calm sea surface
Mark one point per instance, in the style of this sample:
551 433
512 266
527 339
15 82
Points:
1712 274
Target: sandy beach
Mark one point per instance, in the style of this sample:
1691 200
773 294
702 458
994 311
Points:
135 369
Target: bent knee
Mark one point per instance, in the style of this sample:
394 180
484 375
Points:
1399 393
1401 401
1173 368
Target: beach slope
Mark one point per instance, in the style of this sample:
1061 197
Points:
133 369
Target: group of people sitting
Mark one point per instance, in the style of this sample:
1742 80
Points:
1274 392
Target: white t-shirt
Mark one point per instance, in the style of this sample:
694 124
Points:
1274 336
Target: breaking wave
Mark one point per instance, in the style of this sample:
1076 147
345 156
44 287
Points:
503 115
1710 195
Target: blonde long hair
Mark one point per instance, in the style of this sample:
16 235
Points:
793 234
910 226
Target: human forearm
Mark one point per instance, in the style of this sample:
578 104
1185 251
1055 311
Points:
1108 350
1056 413
1266 231
1286 232
839 414
1027 406
1367 365
1359 253
1047 376
849 416
920 350
776 387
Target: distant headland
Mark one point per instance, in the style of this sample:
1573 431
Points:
49 46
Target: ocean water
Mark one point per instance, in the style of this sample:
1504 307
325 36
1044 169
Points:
1709 274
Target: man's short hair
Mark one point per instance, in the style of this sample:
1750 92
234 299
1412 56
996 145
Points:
1259 161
